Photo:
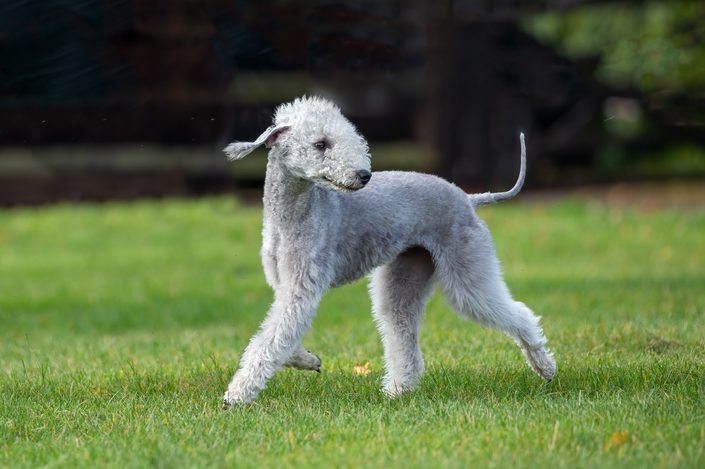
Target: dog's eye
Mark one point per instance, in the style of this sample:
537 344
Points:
322 145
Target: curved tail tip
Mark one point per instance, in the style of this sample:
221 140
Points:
522 144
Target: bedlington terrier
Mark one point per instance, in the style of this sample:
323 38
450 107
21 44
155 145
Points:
329 221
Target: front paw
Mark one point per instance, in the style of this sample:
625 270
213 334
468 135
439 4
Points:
235 399
230 401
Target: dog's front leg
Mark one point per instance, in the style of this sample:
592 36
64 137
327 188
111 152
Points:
279 335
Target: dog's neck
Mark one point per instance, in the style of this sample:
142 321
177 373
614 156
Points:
286 196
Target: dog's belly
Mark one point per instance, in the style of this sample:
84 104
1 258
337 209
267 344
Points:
355 271
358 260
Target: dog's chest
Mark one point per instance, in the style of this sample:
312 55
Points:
271 241
280 255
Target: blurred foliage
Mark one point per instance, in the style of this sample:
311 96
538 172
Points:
681 160
652 46
656 48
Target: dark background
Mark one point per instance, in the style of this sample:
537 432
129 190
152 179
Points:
122 99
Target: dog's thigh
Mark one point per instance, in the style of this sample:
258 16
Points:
399 292
473 284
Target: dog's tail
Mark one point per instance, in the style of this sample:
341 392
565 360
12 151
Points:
494 197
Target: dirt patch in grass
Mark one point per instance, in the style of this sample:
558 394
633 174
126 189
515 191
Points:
644 196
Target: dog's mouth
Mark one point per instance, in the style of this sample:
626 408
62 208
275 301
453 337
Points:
338 186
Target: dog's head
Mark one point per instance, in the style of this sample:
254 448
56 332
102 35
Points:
314 141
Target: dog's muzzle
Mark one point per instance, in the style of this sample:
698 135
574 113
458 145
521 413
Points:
364 176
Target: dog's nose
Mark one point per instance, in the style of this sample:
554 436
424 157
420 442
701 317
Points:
364 176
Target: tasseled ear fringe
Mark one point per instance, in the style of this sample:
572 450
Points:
237 150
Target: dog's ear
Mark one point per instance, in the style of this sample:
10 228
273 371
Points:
237 150
269 141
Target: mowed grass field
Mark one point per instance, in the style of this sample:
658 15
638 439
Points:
121 324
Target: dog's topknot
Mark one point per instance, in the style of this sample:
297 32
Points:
303 109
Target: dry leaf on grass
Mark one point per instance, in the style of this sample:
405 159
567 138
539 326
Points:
617 439
362 370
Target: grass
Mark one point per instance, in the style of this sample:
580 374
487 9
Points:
122 323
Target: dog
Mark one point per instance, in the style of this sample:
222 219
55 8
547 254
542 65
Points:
328 220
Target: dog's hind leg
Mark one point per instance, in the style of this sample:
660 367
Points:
472 282
399 292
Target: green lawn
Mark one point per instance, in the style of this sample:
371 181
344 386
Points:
120 325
